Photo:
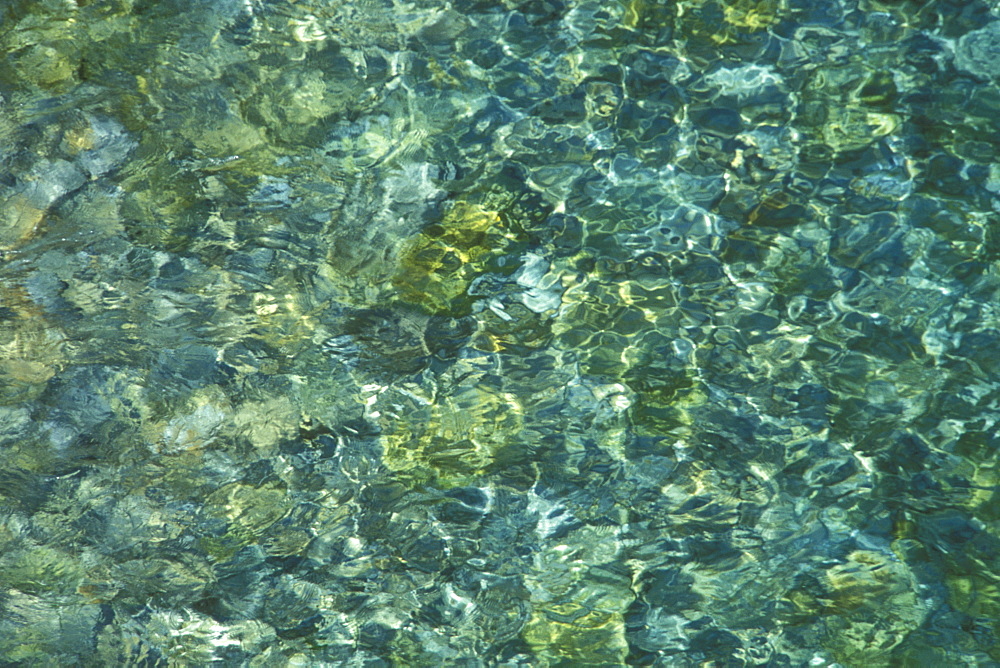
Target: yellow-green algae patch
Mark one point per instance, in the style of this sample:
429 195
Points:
579 599
868 604
437 266
451 439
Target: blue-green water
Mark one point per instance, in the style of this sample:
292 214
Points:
548 333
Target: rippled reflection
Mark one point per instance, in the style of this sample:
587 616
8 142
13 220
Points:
544 333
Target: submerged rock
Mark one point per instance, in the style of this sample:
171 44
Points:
978 52
85 148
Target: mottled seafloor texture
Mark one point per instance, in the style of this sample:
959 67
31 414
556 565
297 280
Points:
547 333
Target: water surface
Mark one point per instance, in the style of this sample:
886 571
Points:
548 333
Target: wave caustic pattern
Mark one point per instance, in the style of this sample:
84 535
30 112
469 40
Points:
546 333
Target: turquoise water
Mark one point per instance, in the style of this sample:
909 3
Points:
549 333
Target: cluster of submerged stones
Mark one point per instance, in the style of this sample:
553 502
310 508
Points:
517 332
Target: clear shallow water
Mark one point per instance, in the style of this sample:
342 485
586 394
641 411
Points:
499 334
